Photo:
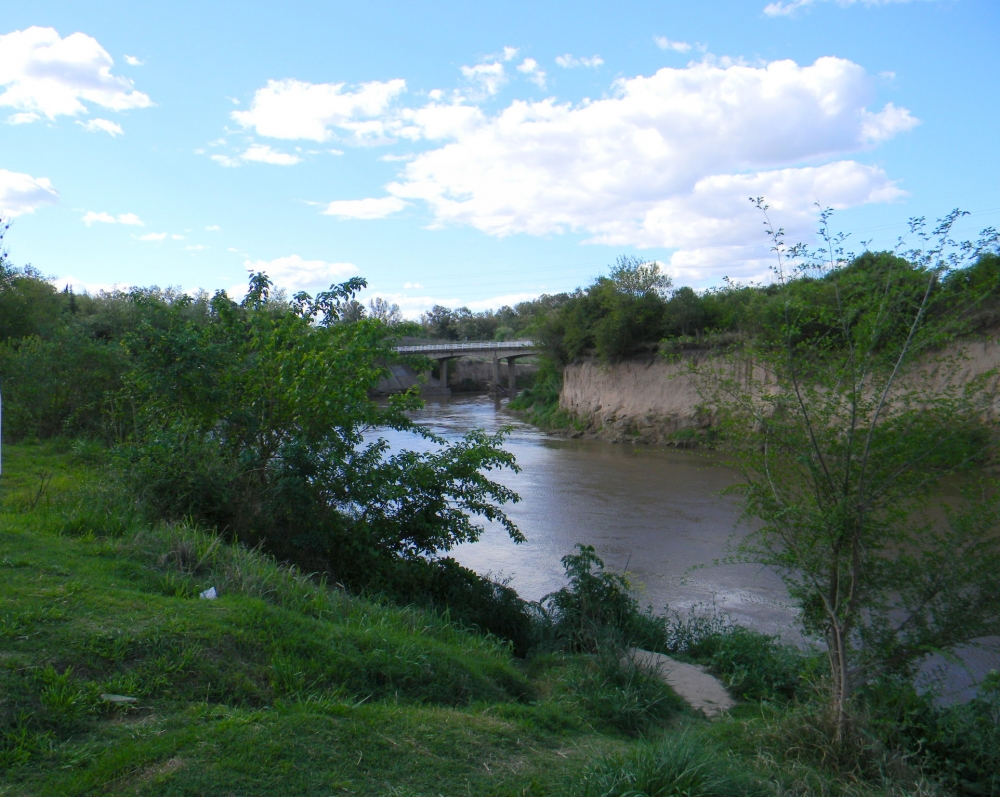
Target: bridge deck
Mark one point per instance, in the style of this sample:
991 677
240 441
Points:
489 347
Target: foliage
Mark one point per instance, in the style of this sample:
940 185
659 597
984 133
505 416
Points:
841 434
256 420
595 608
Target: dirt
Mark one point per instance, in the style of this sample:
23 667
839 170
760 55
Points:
702 690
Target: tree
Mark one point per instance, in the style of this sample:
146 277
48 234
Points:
637 278
844 414
386 312
258 421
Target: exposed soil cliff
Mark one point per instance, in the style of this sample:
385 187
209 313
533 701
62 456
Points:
653 400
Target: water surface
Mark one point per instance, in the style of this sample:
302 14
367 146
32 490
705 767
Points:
656 512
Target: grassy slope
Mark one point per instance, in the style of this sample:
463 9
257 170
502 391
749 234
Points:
278 687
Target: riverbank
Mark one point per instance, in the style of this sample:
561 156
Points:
654 400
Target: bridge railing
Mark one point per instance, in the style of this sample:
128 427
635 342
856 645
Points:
486 346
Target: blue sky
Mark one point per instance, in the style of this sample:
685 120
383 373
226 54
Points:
480 154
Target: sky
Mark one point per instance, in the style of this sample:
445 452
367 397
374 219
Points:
482 154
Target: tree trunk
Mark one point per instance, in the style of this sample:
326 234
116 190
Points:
837 646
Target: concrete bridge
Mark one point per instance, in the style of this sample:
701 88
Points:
509 350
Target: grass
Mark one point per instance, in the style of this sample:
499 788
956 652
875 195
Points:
117 679
280 686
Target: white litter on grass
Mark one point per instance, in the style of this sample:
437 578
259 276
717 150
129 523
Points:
119 699
209 594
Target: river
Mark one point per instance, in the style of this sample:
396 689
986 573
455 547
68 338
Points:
655 512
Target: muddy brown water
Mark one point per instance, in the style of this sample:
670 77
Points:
658 513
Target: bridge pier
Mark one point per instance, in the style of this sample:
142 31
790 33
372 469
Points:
511 377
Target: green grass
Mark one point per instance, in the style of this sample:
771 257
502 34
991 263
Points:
280 686
285 685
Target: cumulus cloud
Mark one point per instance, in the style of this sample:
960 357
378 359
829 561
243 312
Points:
688 144
131 60
569 62
46 75
666 44
103 126
487 79
374 208
21 193
296 274
784 9
90 217
529 66
293 109
262 153
681 142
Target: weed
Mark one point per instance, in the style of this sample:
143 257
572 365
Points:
679 766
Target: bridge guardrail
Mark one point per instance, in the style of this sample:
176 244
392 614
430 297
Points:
486 346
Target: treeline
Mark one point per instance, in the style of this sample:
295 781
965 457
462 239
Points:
635 308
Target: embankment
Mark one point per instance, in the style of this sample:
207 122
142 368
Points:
650 399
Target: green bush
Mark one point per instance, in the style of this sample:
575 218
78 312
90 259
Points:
596 607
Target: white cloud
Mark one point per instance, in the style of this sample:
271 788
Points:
152 236
131 60
177 237
881 126
21 193
293 109
47 75
296 274
374 208
262 153
569 62
22 118
227 160
103 126
509 53
90 217
784 9
666 44
529 66
679 143
412 286
488 79
213 228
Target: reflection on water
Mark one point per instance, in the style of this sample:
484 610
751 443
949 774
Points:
656 512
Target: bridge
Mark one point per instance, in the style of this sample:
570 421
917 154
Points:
509 350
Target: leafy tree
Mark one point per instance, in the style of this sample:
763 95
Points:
637 278
258 421
843 418
384 311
